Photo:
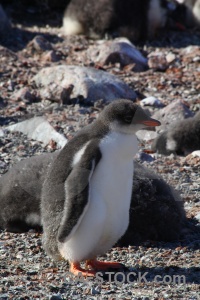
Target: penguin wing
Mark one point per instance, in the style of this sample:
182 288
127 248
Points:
77 192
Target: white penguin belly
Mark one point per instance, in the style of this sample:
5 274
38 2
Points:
114 189
107 216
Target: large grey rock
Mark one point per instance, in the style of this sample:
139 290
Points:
39 129
90 83
118 51
175 111
156 210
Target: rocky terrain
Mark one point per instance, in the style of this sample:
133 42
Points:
168 69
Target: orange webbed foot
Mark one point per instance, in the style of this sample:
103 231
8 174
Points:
103 265
76 269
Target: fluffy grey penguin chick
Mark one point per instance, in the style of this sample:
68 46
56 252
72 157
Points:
156 211
133 19
87 192
20 192
181 139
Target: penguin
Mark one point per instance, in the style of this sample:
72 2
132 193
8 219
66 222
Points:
156 211
20 192
87 191
136 20
182 138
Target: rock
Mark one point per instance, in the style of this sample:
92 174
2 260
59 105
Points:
89 83
170 57
158 62
24 94
40 44
151 101
142 156
6 54
192 159
51 56
173 112
118 51
190 53
196 153
154 206
56 297
4 22
39 129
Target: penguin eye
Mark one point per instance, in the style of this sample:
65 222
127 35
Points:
128 119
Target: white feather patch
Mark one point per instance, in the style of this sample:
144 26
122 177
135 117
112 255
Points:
33 219
171 145
72 26
79 154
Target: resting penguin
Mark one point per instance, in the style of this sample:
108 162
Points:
134 19
87 191
182 138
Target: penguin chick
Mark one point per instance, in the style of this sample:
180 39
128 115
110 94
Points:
156 211
87 191
182 138
20 193
136 20
192 11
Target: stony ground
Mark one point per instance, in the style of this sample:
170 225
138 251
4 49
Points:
26 271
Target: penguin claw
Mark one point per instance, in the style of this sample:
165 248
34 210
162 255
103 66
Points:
76 270
103 265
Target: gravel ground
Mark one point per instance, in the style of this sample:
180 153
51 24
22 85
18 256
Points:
26 271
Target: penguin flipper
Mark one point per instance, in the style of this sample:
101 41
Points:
77 192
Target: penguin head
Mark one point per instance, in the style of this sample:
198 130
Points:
126 117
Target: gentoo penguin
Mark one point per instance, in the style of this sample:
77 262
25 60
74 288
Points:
182 138
136 20
87 191
156 211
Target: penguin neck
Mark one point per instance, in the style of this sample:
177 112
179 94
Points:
120 145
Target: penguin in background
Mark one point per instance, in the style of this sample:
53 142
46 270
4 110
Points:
134 19
182 138
20 193
87 191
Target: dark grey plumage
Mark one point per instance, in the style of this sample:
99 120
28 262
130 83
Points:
156 212
181 138
120 18
20 191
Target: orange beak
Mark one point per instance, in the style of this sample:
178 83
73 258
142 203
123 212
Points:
150 122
